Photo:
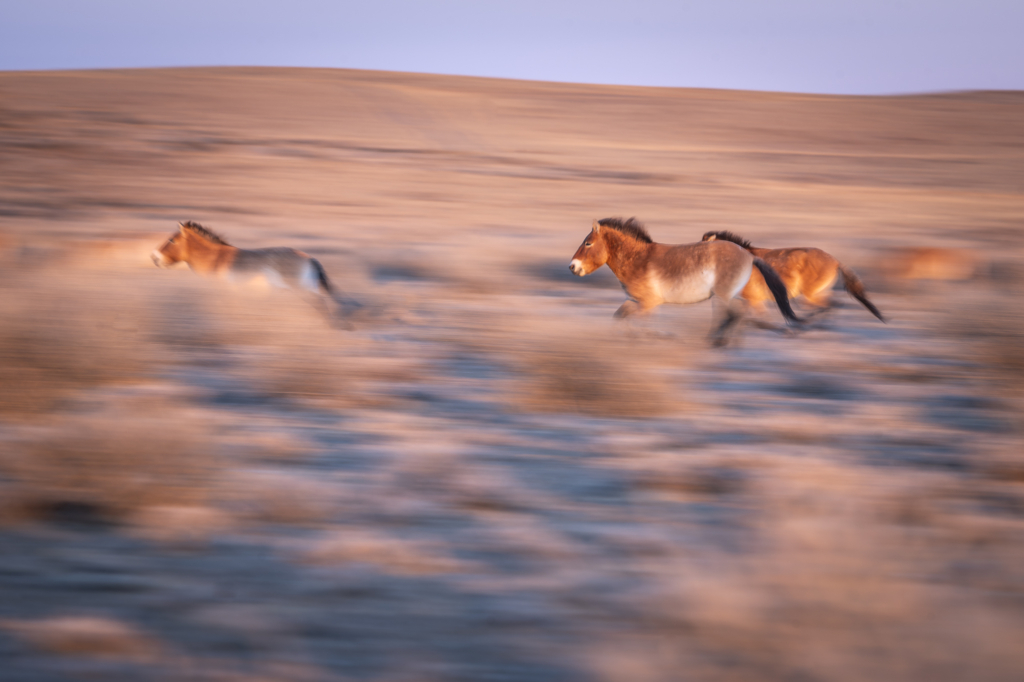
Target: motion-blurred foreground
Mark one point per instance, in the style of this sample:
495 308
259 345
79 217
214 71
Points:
488 479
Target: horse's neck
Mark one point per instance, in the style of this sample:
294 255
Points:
627 257
205 256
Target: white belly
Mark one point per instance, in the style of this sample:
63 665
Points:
693 287
265 278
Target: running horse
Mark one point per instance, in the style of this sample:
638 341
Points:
653 273
806 271
207 253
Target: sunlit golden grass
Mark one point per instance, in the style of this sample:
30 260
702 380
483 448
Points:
88 366
279 497
561 375
278 344
997 331
385 553
91 362
203 481
62 333
986 326
576 365
87 636
106 464
75 350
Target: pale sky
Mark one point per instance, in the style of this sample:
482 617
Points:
822 46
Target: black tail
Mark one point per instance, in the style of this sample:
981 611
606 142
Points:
855 288
321 276
778 290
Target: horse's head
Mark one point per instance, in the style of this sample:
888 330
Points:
174 250
592 254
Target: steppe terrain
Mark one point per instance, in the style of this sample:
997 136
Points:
488 478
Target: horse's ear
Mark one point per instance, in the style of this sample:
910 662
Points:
710 237
596 226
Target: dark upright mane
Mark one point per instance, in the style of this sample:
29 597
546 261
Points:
727 236
631 227
204 232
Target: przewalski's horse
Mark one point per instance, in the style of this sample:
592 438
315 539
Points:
653 273
807 272
208 254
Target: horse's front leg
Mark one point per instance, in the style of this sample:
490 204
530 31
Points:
627 309
633 311
634 307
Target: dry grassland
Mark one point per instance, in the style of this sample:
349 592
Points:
488 478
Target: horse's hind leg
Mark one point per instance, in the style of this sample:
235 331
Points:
818 315
731 313
721 334
326 306
755 317
325 298
820 295
761 323
821 302
726 303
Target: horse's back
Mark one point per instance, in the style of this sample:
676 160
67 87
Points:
281 258
804 256
279 266
803 269
690 273
703 254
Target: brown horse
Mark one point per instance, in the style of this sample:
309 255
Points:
208 254
653 273
807 272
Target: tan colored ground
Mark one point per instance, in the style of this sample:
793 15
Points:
488 479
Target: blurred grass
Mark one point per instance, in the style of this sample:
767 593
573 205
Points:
575 364
106 466
111 373
453 488
62 333
90 371
75 351
597 377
